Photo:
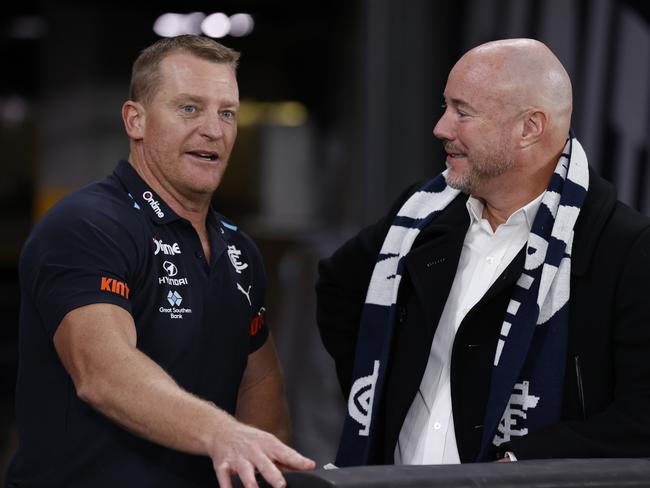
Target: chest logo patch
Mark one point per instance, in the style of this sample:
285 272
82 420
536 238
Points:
247 293
170 268
166 249
174 298
235 258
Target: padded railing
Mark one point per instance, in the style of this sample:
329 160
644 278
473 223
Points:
561 473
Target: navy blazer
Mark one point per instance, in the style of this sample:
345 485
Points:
606 402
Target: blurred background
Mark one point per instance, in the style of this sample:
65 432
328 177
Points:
339 100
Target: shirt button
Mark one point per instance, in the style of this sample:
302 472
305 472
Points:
198 254
489 259
437 426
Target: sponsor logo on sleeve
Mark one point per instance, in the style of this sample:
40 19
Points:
114 286
153 203
258 321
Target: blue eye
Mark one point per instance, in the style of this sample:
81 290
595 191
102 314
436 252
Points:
228 114
188 109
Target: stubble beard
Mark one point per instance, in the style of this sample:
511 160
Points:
480 170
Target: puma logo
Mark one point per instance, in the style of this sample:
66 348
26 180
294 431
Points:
246 292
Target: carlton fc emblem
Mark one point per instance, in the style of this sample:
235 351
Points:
516 412
361 398
235 258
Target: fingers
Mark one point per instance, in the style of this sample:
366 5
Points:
292 460
246 472
247 449
223 475
270 472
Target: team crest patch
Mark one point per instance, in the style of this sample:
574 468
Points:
235 258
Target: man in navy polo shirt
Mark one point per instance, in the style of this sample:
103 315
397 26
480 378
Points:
145 359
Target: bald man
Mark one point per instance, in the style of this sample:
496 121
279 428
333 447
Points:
500 310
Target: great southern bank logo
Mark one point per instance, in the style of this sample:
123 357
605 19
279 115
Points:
174 298
175 311
154 204
167 249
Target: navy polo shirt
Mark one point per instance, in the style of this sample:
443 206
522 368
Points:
117 242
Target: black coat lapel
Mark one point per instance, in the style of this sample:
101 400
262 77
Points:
431 265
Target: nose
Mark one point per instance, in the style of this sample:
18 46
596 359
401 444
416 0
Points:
210 127
444 128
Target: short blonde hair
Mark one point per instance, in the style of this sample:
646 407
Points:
145 76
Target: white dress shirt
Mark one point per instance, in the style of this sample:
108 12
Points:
427 435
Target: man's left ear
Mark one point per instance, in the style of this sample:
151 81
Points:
534 127
133 116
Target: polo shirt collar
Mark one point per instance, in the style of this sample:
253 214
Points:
143 196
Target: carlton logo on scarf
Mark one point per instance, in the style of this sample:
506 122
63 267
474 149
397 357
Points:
361 396
526 391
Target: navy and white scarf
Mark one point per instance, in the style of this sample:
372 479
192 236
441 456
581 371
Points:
527 377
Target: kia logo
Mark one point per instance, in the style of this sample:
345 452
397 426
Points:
170 268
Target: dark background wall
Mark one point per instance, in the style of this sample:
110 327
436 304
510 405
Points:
340 101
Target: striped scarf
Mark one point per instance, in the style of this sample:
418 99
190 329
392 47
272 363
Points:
526 389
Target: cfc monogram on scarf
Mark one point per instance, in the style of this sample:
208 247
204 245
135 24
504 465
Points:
361 397
525 392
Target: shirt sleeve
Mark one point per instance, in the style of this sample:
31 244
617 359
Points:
76 256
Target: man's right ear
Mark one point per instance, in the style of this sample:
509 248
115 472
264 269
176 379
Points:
133 115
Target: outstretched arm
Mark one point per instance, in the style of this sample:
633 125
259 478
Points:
97 345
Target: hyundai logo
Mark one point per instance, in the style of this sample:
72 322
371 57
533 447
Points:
170 268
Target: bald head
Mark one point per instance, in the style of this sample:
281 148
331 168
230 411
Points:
522 74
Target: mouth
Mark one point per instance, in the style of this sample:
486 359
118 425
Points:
204 155
454 153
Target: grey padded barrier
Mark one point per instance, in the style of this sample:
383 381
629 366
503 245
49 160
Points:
563 473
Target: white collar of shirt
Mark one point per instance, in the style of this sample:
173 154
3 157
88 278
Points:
475 209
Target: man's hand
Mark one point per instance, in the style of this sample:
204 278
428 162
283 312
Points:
241 449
